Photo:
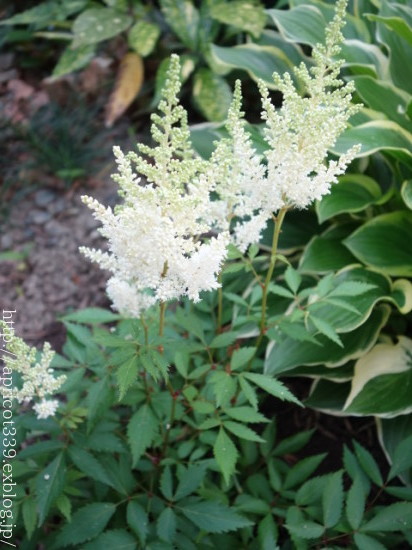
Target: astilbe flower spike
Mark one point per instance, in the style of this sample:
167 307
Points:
156 252
295 171
37 377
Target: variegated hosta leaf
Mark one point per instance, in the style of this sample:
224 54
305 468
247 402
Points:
382 381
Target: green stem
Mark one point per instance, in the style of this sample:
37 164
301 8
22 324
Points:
276 233
162 317
219 303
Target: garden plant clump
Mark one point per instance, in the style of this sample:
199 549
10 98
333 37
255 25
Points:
160 434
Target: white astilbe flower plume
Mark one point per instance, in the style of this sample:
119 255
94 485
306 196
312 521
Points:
36 378
295 171
156 250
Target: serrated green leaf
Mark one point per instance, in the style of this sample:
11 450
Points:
141 431
401 458
92 315
280 291
223 340
49 485
90 521
368 464
119 539
166 525
302 470
242 431
64 505
190 480
224 387
307 529
241 357
352 288
166 483
332 501
138 520
272 386
248 391
326 329
267 533
246 414
226 454
29 511
293 279
127 374
214 517
311 492
89 465
355 503
394 517
293 443
365 542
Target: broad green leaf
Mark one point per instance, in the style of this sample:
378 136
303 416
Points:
213 516
183 18
272 386
327 395
353 193
29 511
241 357
394 517
49 485
384 98
406 192
89 465
392 432
303 24
90 521
190 480
43 14
302 470
381 380
248 15
324 254
115 538
98 24
355 503
377 135
368 464
166 483
397 24
226 454
142 37
92 315
367 543
246 414
137 520
166 525
242 431
364 58
141 431
127 374
332 501
211 94
72 60
260 62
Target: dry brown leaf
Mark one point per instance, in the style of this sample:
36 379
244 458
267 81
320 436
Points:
128 83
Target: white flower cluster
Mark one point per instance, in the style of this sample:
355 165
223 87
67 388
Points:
37 377
157 250
294 171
